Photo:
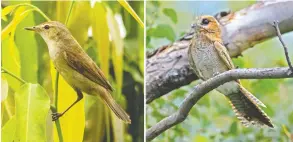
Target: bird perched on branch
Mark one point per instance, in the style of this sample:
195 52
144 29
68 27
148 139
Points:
208 57
76 67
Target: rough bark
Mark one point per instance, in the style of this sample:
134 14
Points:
167 68
208 85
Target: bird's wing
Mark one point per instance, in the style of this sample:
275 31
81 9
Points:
191 59
83 64
223 53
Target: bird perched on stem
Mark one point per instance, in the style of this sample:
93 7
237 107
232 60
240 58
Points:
208 57
76 67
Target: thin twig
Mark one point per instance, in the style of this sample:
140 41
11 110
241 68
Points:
208 85
276 26
13 75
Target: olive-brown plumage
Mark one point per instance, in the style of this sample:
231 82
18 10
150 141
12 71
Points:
208 57
76 67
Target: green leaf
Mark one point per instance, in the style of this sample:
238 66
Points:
171 14
32 105
162 31
8 130
233 128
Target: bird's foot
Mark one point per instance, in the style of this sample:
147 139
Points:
55 116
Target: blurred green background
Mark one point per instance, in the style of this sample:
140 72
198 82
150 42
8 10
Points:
212 118
109 34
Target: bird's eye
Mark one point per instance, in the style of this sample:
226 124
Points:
205 21
46 27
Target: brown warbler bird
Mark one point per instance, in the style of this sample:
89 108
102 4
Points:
208 57
76 67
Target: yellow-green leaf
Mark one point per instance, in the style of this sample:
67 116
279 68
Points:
79 29
9 63
7 10
125 4
32 106
73 121
101 36
4 89
117 54
20 14
13 49
8 130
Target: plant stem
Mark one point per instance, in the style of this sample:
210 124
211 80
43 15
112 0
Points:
69 12
13 75
57 122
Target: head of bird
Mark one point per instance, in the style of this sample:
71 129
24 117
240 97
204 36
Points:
51 31
208 26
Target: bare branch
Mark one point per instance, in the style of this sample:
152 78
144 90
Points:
168 69
276 26
208 85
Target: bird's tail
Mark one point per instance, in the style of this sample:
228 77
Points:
245 105
116 108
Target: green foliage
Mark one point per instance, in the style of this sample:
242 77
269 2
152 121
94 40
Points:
171 14
159 31
28 124
162 31
32 105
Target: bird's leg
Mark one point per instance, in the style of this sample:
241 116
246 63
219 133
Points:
55 116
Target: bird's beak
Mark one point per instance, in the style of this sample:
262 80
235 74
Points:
31 28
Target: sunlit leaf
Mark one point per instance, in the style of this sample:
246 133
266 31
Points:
8 130
32 107
125 4
73 121
101 36
19 15
78 15
4 89
10 64
13 49
117 54
171 14
6 11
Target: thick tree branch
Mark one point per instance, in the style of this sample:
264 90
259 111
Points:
168 69
208 85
